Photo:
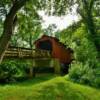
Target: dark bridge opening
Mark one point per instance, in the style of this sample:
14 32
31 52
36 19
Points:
45 45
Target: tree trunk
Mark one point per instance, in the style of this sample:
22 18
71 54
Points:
4 42
30 41
6 36
88 19
9 25
92 28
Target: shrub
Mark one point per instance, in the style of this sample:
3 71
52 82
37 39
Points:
8 71
84 74
23 68
12 70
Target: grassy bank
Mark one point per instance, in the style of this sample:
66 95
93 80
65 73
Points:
48 88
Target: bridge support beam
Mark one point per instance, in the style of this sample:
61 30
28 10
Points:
32 69
30 72
57 67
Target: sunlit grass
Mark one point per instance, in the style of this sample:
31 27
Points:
48 88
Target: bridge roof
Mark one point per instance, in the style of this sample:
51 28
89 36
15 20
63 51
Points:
46 37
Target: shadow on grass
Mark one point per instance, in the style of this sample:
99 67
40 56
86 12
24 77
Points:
34 80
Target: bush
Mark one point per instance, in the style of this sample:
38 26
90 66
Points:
8 71
12 70
85 75
23 67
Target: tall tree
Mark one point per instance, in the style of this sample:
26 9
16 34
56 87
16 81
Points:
9 25
85 8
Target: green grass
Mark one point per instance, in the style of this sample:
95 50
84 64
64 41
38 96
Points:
48 88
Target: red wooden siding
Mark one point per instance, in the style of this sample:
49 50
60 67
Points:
58 49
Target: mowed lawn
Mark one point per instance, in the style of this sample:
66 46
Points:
48 87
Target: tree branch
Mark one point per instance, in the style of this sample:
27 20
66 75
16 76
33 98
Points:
12 13
81 14
91 5
85 4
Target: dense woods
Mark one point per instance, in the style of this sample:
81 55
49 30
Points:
21 26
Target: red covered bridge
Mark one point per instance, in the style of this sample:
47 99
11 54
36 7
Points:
58 50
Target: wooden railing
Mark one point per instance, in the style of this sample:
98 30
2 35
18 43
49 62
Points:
26 53
33 55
